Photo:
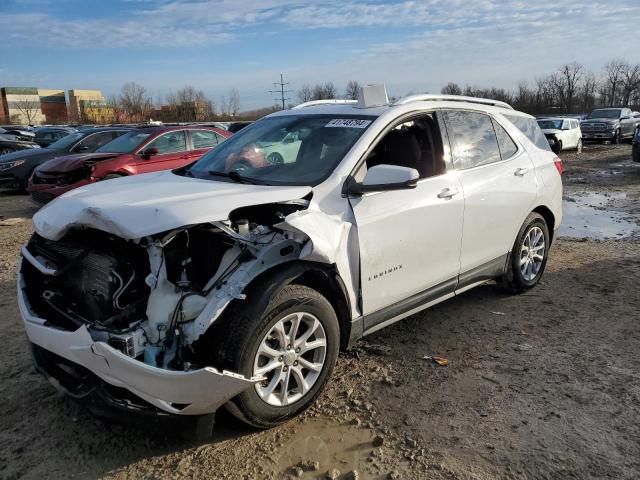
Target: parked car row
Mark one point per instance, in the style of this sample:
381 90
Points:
603 124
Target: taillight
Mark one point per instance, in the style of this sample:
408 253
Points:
558 163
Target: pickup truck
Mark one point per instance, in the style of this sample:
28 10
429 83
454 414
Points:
613 124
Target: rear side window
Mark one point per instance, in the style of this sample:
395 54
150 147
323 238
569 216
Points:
507 146
204 139
473 139
531 130
170 142
96 140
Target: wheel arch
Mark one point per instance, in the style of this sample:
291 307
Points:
549 217
323 278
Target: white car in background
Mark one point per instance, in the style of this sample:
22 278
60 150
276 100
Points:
562 133
236 281
281 147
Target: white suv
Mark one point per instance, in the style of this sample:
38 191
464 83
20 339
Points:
235 281
562 133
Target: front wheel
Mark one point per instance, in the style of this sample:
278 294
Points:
292 344
617 139
529 255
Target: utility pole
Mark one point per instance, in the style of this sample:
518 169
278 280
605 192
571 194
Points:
281 91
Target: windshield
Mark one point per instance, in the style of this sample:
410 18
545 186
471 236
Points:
550 124
127 143
67 141
605 113
287 150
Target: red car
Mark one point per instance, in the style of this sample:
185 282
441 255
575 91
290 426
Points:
143 150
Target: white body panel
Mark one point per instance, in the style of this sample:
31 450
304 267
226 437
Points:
409 240
497 197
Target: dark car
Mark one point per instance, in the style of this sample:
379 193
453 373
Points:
10 142
45 136
143 150
16 168
635 147
613 124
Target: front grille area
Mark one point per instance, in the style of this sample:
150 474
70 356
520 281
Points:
59 179
593 127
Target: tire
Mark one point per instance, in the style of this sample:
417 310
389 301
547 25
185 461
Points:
516 280
111 176
250 325
617 139
579 146
557 147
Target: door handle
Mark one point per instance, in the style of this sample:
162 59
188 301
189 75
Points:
520 172
449 192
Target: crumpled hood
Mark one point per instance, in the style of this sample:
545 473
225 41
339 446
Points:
69 163
140 205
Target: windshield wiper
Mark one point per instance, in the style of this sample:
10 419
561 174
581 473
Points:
233 175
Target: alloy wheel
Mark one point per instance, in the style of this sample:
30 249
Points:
532 253
290 357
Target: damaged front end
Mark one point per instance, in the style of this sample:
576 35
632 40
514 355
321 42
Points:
127 314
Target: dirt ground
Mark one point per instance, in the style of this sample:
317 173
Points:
540 385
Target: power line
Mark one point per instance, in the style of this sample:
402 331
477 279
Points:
281 91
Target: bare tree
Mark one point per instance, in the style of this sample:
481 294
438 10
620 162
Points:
234 102
451 88
29 107
135 102
565 83
613 76
305 93
587 92
630 83
330 90
352 90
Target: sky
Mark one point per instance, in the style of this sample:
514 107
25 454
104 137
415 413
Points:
216 45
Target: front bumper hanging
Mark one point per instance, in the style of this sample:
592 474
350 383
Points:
193 392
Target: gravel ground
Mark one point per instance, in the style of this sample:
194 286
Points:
541 385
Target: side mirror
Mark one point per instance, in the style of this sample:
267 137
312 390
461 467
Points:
147 153
386 177
288 140
624 118
81 148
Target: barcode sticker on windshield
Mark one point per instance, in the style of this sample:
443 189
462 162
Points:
348 123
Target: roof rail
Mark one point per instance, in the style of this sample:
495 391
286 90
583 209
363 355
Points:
323 102
452 98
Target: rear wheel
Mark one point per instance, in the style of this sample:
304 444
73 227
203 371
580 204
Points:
529 255
293 344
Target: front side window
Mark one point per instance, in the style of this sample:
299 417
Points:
473 139
301 149
127 143
416 143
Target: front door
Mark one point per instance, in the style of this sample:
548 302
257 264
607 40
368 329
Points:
172 153
409 239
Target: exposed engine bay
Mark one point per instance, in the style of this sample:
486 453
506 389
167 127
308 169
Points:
152 298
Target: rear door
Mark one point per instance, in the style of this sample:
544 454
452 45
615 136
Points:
499 186
172 153
202 141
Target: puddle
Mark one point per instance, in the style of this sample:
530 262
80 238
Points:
343 447
587 215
